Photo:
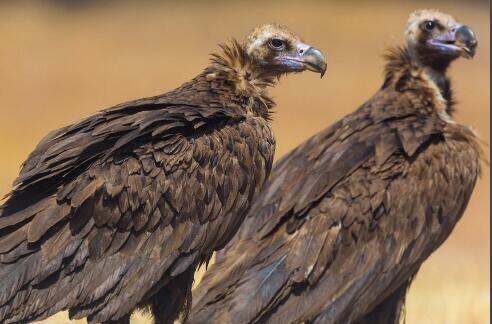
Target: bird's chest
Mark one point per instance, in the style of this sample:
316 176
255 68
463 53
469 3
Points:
444 169
430 195
226 168
247 162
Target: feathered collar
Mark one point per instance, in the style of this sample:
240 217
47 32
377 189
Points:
248 79
403 73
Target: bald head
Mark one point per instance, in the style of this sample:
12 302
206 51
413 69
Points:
419 16
434 37
262 34
276 48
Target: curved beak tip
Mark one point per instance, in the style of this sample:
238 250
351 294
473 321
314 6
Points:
315 61
467 39
470 52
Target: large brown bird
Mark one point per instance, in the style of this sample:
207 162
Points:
116 211
349 216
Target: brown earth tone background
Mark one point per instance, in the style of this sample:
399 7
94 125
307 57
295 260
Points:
61 63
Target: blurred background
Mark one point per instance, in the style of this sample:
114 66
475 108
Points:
64 60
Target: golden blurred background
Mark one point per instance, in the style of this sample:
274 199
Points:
63 60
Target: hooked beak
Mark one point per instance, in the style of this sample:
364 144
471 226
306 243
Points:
306 58
465 39
314 61
461 41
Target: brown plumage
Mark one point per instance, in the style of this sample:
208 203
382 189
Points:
348 217
117 210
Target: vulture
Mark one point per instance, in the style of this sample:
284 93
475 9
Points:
115 212
347 218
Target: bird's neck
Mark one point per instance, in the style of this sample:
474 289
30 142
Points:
405 70
247 80
427 59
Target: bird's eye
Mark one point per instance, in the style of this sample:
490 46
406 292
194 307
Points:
277 44
429 25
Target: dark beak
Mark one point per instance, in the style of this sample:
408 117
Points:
465 38
314 60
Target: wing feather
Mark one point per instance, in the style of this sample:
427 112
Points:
129 202
331 229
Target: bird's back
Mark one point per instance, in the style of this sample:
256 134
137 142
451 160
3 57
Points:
107 211
346 219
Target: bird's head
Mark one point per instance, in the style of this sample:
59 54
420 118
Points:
433 36
278 51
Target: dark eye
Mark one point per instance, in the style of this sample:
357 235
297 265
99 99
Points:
429 25
277 44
